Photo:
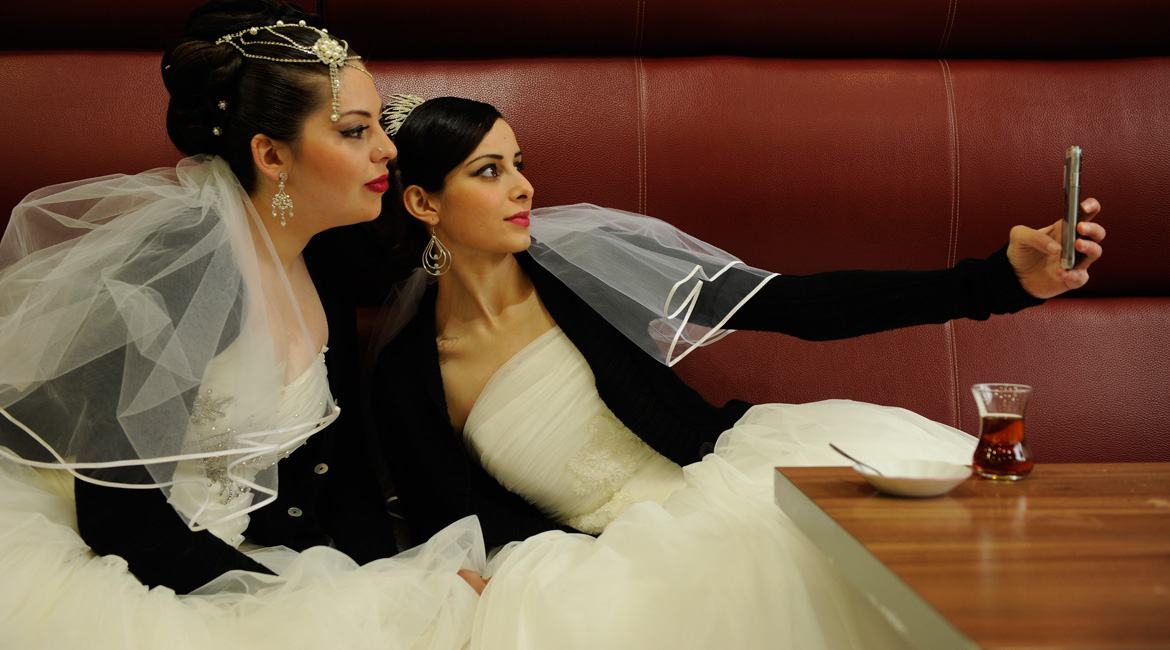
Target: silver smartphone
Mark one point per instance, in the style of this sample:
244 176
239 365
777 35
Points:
1072 207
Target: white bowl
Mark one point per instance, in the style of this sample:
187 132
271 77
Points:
914 478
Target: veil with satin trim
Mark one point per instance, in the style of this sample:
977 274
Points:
116 294
663 289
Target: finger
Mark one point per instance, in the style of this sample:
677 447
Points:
1038 239
1090 207
1091 251
1094 231
1075 278
472 578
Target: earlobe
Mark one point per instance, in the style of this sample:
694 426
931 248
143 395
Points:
268 157
421 205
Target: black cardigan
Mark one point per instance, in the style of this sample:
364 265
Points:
437 481
328 492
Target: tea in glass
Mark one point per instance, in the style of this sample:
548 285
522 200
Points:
1002 452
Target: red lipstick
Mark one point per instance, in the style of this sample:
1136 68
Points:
519 219
379 184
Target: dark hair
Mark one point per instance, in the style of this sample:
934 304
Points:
259 96
436 137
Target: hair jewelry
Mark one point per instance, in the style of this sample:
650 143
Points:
398 108
436 259
326 50
282 202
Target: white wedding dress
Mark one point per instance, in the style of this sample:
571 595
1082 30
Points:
115 296
58 594
693 557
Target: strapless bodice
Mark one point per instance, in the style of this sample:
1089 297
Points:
540 429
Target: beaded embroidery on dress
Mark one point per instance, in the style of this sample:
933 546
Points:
216 419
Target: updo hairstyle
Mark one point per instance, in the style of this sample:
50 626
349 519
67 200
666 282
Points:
257 96
436 137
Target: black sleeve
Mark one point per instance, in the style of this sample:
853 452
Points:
841 304
142 528
436 483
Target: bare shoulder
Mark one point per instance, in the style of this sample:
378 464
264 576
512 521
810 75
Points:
470 358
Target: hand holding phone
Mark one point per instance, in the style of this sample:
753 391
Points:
1072 207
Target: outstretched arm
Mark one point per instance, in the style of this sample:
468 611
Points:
841 304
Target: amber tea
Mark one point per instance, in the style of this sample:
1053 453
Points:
1002 452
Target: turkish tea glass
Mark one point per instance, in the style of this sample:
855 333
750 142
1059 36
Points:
1002 453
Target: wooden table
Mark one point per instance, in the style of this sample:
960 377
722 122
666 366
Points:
1073 556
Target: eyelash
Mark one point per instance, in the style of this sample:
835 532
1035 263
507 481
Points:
495 171
355 132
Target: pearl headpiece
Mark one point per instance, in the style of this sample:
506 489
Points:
398 108
326 50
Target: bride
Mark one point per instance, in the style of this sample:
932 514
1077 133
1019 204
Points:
530 386
161 352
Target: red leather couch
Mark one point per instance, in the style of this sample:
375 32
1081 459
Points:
803 135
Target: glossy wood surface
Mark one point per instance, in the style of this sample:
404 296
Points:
1073 556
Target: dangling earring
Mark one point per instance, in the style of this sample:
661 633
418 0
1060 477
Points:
282 202
436 259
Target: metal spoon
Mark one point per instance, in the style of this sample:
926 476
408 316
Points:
838 450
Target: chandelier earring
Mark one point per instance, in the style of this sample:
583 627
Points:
436 259
282 202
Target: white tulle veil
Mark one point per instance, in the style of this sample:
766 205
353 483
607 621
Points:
663 289
116 294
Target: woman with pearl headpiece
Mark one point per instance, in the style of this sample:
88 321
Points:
162 351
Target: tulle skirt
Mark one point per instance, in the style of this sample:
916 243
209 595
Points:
57 593
718 564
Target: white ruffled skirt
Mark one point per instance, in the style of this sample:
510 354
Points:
716 565
57 593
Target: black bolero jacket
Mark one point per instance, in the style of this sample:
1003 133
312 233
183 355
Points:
437 481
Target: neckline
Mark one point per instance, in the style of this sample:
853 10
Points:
512 361
318 360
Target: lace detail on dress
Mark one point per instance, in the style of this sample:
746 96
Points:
606 463
602 467
595 522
